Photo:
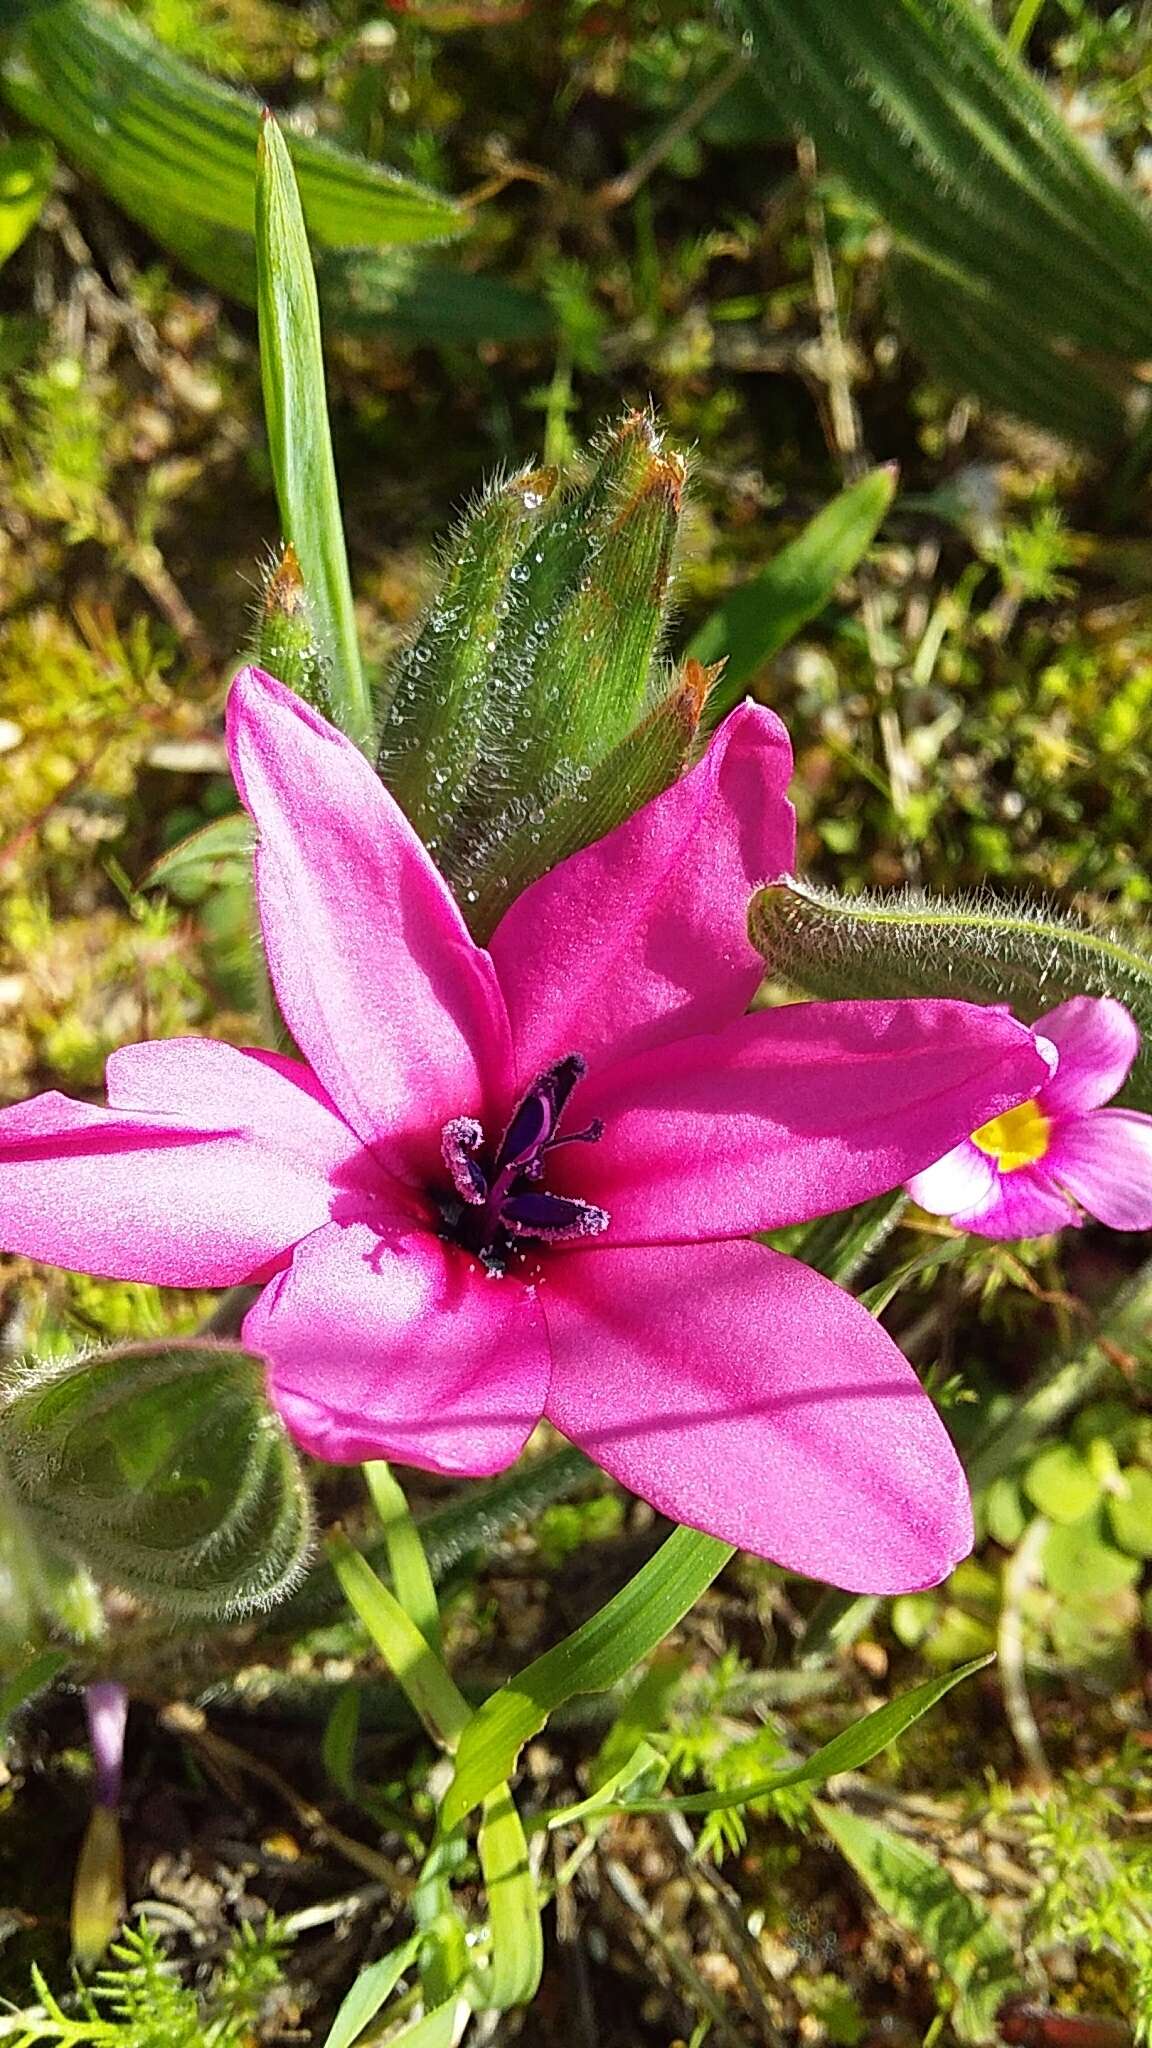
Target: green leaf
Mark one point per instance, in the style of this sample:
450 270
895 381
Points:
762 616
909 1883
933 122
437 2029
1080 1559
1130 1513
986 343
412 297
1062 1484
441 1706
27 168
296 413
31 1678
368 1993
595 1657
417 298
974 948
156 133
163 1469
407 1558
219 852
855 1746
517 1960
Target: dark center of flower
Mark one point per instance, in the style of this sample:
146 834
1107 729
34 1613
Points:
497 1199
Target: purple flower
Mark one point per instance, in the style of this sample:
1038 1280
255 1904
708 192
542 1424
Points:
1061 1155
524 1181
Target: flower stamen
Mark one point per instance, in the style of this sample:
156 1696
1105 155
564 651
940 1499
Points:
494 1208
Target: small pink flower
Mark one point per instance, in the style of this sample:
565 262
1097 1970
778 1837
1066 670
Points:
1060 1156
522 1181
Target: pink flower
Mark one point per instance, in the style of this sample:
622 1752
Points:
523 1181
1060 1155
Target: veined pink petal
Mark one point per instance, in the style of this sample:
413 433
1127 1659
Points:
148 1197
392 1344
745 1395
1023 1203
643 937
386 995
1097 1040
790 1114
964 1180
1104 1159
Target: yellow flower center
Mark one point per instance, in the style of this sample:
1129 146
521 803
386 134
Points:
1018 1138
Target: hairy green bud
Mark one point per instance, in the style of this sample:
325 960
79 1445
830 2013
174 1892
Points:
162 1468
977 949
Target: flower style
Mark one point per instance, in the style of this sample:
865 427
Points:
1061 1155
522 1181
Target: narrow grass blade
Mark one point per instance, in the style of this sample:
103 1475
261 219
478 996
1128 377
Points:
760 618
441 1706
595 1657
846 1752
407 1560
513 1974
369 1992
296 411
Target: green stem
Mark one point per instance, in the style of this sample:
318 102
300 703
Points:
1023 22
407 1558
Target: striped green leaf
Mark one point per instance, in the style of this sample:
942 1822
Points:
155 131
934 122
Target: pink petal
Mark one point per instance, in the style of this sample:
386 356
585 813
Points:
789 1114
1105 1161
964 1180
380 983
149 1197
642 937
276 1101
1097 1040
391 1344
1023 1203
745 1395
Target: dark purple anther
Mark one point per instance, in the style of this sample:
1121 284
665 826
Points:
106 1705
460 1141
495 1207
552 1217
535 1119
